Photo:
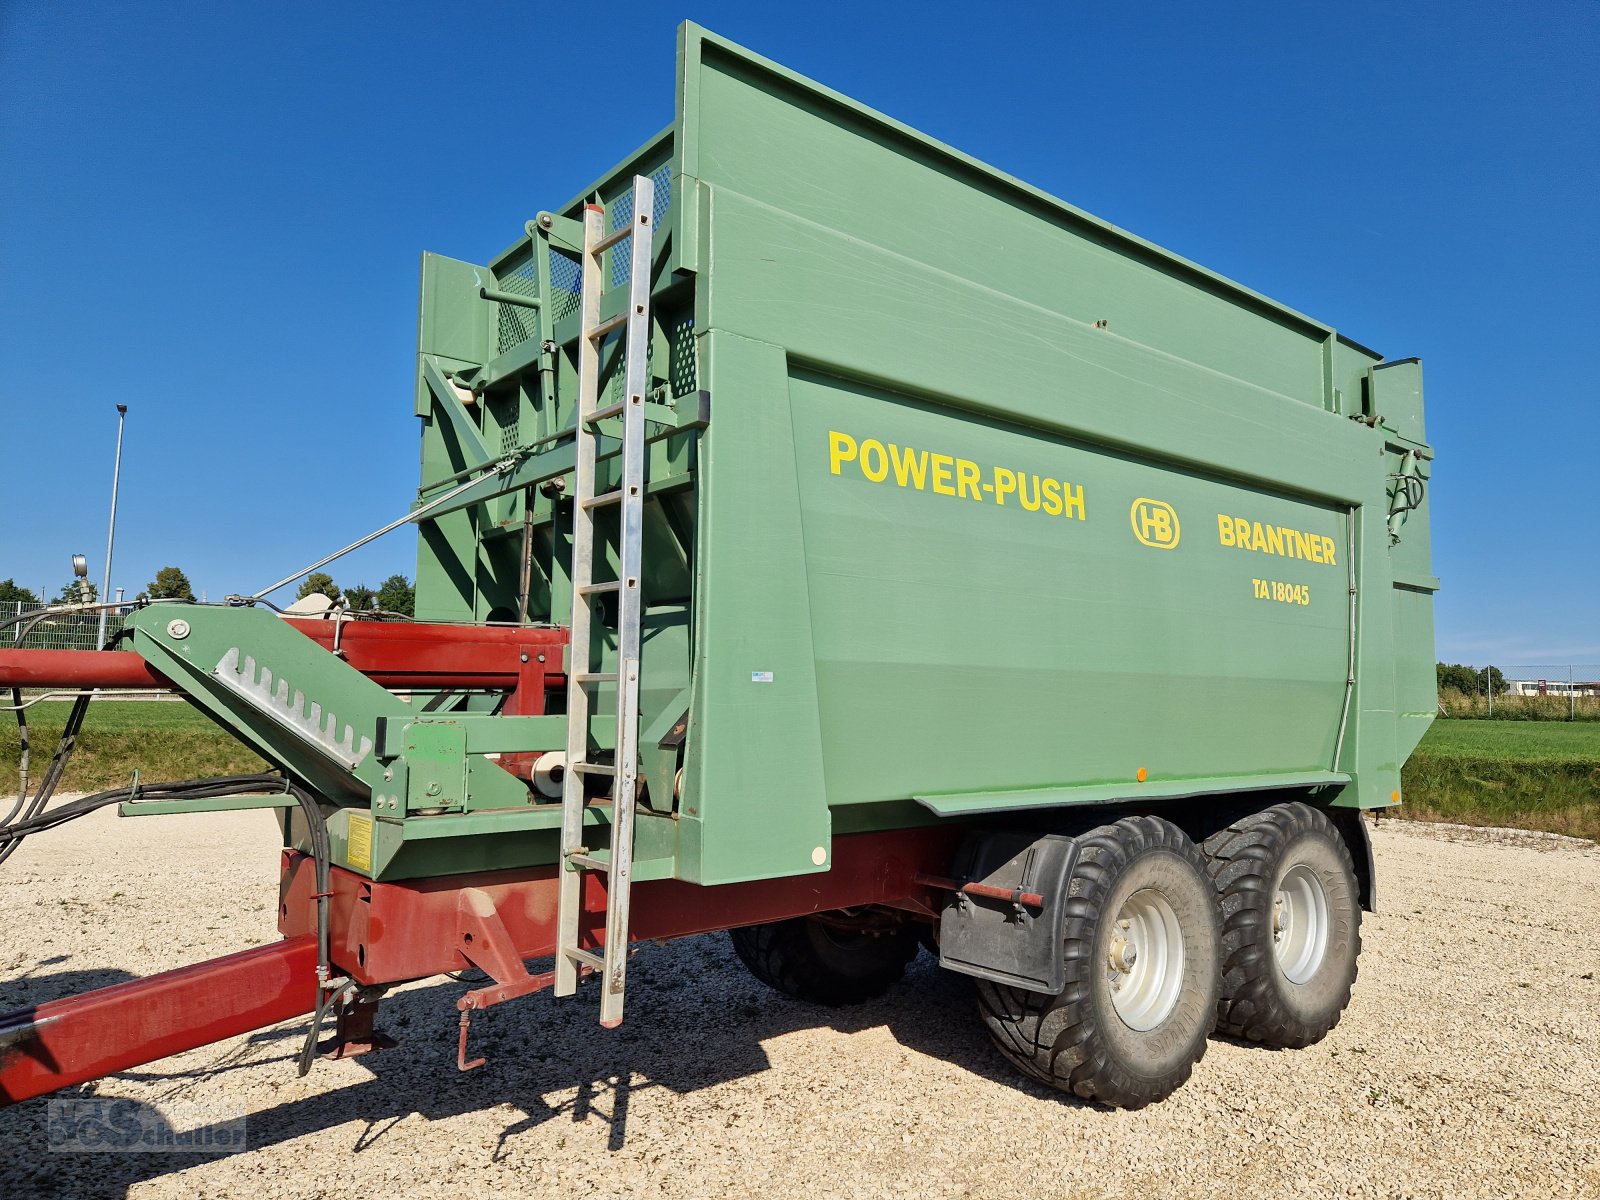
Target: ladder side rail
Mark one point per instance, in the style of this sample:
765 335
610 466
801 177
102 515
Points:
570 902
619 877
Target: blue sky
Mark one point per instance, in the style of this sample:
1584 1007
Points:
213 213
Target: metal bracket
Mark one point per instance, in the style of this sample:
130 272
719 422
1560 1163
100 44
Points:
484 942
564 233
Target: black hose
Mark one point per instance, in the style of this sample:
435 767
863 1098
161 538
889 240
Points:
39 819
22 769
34 807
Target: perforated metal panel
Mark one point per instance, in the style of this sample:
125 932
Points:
622 212
684 368
517 325
506 413
566 282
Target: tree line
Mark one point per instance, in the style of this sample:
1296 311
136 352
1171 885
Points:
1471 681
395 594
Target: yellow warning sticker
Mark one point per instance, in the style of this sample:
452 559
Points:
358 843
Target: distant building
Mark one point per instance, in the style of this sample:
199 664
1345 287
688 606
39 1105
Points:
1551 687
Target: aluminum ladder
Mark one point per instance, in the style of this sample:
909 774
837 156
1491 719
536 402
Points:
576 857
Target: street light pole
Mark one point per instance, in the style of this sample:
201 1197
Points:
111 534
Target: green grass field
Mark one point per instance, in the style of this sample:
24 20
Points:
1523 741
164 740
1520 774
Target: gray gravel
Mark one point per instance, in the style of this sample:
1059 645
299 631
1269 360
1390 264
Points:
1467 1065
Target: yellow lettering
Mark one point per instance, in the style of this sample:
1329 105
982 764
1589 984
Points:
1327 551
1022 492
1258 540
909 466
1074 499
1224 530
1241 533
941 471
841 449
1052 497
1314 548
967 477
1301 549
868 448
1004 481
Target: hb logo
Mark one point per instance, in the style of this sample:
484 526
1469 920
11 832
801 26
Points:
1155 523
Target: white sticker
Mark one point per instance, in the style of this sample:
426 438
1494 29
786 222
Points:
760 676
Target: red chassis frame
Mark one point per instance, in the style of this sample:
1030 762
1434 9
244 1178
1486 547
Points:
385 933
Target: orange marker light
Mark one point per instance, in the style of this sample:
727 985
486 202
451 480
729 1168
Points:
1142 775
1394 797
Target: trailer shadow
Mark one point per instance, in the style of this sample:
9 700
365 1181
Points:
37 985
696 1019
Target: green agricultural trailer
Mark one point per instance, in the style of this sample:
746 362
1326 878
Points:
829 538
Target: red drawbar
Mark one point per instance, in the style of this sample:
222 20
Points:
89 1036
390 932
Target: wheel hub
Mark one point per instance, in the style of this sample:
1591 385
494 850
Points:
1144 960
1300 924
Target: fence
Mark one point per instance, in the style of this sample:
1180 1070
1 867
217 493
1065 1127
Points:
54 631
1527 692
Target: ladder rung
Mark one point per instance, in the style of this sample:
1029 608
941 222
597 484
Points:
588 862
611 239
598 589
599 331
594 677
603 499
606 413
586 768
587 959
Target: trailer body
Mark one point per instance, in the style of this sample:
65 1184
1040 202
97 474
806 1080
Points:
964 511
997 507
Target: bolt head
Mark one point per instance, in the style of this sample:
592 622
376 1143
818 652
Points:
178 629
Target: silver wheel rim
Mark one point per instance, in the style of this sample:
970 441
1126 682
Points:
1300 924
1144 962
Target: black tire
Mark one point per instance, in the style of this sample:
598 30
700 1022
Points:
1077 1041
811 959
1249 861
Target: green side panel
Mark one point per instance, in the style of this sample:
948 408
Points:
1395 397
753 804
1002 413
974 586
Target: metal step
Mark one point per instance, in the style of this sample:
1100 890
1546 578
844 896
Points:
606 413
599 331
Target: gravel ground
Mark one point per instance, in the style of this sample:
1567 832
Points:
1467 1065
